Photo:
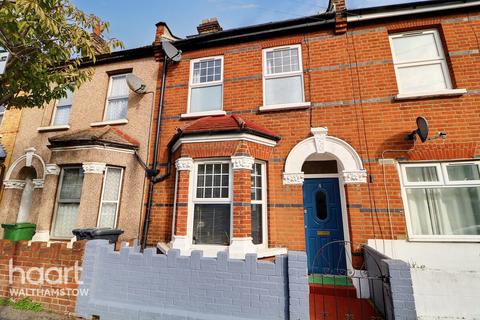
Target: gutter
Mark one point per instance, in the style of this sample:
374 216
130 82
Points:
353 16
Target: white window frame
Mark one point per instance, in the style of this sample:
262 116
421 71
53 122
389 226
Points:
441 59
2 114
102 201
193 200
445 183
266 76
192 85
57 198
55 112
105 109
264 204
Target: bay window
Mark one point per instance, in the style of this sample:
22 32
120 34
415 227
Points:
112 184
206 85
259 203
442 199
68 202
283 76
212 204
420 63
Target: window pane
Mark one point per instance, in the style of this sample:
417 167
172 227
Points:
206 99
112 184
71 188
119 86
422 78
207 71
415 48
445 211
283 60
66 219
67 100
257 224
211 224
463 172
211 179
107 215
117 109
421 174
62 115
283 90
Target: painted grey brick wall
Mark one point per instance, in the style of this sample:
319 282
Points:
396 295
132 285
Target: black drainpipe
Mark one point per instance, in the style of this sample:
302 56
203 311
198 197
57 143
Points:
153 171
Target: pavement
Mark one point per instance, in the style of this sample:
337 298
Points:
8 313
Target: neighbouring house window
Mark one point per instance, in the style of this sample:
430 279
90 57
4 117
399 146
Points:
117 101
259 204
212 204
2 113
206 85
443 198
61 114
68 202
112 184
420 63
283 76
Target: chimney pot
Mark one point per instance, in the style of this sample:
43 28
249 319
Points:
209 26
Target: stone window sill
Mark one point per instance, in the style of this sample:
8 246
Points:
432 94
202 114
53 128
288 106
109 123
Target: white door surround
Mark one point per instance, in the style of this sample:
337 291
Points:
321 143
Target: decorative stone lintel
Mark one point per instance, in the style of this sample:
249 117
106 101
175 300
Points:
351 177
94 167
293 178
241 247
184 164
14 184
38 183
319 135
52 168
242 162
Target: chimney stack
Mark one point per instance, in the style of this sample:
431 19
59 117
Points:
340 17
99 44
209 26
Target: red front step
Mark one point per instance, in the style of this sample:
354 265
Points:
339 302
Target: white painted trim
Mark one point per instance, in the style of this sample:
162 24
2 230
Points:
109 123
191 85
287 106
28 157
95 147
203 114
432 94
94 167
224 137
53 169
321 143
184 164
14 184
38 183
41 236
242 162
54 128
412 12
239 247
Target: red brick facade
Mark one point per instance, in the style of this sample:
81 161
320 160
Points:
350 80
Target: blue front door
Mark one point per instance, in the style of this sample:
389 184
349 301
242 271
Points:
324 226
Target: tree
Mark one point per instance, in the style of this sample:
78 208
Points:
47 41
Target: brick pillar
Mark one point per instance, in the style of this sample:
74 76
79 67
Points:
242 213
180 215
47 204
91 193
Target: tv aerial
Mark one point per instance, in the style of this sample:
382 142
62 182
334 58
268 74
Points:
423 130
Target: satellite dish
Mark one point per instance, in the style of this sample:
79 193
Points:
421 131
171 52
136 84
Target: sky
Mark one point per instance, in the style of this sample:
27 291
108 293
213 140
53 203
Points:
133 21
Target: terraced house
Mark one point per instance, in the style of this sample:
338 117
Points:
297 135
